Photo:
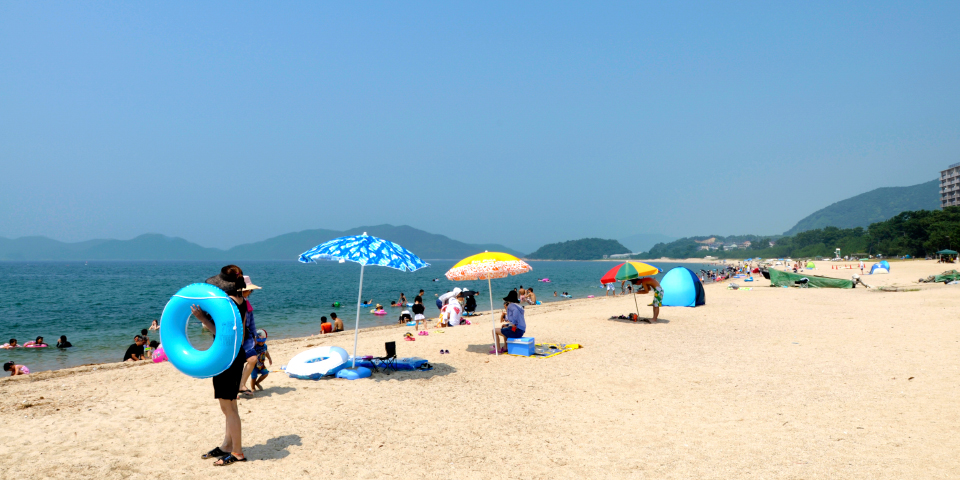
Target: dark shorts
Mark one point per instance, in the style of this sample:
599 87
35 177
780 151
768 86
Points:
509 332
227 384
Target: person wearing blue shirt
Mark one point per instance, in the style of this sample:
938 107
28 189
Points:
512 322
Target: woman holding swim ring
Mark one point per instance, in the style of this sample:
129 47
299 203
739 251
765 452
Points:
226 385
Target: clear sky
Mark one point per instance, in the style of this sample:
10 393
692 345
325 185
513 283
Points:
516 122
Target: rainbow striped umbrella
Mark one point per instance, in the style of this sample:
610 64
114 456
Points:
629 271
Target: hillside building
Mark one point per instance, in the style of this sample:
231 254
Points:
950 186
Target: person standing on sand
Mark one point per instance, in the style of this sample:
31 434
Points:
522 293
650 284
249 337
226 385
861 266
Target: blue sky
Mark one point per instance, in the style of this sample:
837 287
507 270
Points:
225 123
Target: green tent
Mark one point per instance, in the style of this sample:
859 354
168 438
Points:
786 279
946 252
947 276
811 265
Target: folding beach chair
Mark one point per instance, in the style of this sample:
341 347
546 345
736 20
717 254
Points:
388 361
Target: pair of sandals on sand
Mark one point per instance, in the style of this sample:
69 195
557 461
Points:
226 458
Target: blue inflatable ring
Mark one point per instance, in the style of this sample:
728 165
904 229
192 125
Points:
173 331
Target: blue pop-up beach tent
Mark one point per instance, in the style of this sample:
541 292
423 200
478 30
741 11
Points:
682 288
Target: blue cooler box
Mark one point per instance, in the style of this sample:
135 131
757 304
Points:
520 346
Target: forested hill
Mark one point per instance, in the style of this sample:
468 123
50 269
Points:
583 249
871 207
915 233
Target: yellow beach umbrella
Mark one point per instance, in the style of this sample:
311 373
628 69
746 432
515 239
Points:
487 266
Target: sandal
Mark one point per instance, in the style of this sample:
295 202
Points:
216 452
229 459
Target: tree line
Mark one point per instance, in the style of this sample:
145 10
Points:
917 233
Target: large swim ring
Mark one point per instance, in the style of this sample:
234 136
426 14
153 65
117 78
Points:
173 331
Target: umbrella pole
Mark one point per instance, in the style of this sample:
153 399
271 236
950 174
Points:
356 330
636 305
492 320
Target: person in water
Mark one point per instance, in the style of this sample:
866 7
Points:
403 300
15 369
337 323
154 325
11 344
226 385
63 343
36 343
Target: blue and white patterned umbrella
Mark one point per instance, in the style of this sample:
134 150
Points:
365 250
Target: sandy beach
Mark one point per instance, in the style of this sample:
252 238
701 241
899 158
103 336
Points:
760 383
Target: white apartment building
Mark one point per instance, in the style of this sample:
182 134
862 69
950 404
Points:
950 186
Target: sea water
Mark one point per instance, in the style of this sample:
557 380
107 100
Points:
100 306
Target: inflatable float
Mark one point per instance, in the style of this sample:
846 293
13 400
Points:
405 364
159 355
378 312
317 363
173 331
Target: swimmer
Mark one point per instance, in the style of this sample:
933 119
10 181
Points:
11 344
154 326
36 343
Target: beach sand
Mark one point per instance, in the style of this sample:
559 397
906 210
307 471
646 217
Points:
761 383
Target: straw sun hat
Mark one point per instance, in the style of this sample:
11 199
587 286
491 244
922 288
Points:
250 285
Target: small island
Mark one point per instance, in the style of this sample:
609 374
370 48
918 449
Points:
583 249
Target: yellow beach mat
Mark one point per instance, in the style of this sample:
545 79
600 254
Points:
550 350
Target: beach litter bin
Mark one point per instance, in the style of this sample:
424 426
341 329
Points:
520 346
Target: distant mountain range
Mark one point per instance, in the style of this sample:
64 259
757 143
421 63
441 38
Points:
871 207
284 247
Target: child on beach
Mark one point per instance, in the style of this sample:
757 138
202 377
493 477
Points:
260 371
418 310
15 369
325 326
